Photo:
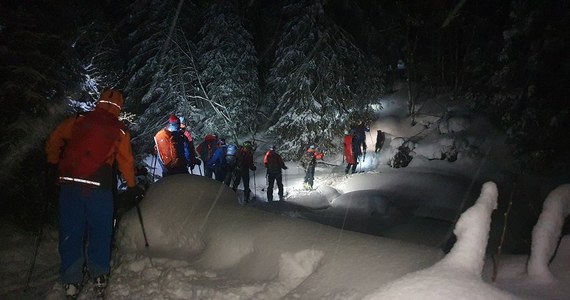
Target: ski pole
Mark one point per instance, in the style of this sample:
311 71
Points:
37 245
154 168
254 185
141 221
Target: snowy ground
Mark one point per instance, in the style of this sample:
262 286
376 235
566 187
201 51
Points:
379 234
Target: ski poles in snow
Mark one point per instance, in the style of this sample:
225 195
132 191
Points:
37 245
154 168
141 221
254 185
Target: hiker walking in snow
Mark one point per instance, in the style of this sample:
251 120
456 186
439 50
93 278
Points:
360 131
351 153
84 148
274 164
194 160
380 138
206 150
309 163
172 148
217 162
244 163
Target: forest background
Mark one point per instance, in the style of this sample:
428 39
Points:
300 71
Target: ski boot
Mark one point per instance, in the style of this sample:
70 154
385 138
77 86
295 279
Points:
100 284
72 290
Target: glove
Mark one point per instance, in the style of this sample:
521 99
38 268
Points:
134 194
285 168
253 168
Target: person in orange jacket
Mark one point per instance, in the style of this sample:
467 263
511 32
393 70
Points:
84 148
309 163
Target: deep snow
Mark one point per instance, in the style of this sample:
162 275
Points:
378 234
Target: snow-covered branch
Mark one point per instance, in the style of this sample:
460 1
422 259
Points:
547 231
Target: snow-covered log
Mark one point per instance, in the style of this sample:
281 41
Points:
546 233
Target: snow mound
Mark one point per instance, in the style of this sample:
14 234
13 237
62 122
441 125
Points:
174 212
269 255
547 231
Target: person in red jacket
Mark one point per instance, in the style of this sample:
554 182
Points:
351 152
244 163
172 148
84 149
274 164
194 160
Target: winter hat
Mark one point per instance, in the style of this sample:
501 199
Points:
173 123
111 101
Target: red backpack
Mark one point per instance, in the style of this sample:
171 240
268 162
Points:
92 143
207 147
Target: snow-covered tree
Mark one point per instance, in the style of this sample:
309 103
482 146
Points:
161 66
319 78
227 81
527 91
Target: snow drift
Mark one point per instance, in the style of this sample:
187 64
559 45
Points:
458 274
245 244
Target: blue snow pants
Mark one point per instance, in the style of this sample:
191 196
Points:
85 231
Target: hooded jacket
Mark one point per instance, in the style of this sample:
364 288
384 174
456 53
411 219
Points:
120 151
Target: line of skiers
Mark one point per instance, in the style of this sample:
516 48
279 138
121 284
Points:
230 164
225 162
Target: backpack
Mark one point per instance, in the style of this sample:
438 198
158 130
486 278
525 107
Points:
93 139
231 155
169 146
307 159
207 147
274 162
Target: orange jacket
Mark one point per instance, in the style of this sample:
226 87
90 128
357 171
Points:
316 155
121 151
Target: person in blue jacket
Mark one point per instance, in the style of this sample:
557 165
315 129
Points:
217 163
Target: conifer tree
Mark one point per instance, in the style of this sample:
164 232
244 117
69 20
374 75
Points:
318 81
161 67
228 79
